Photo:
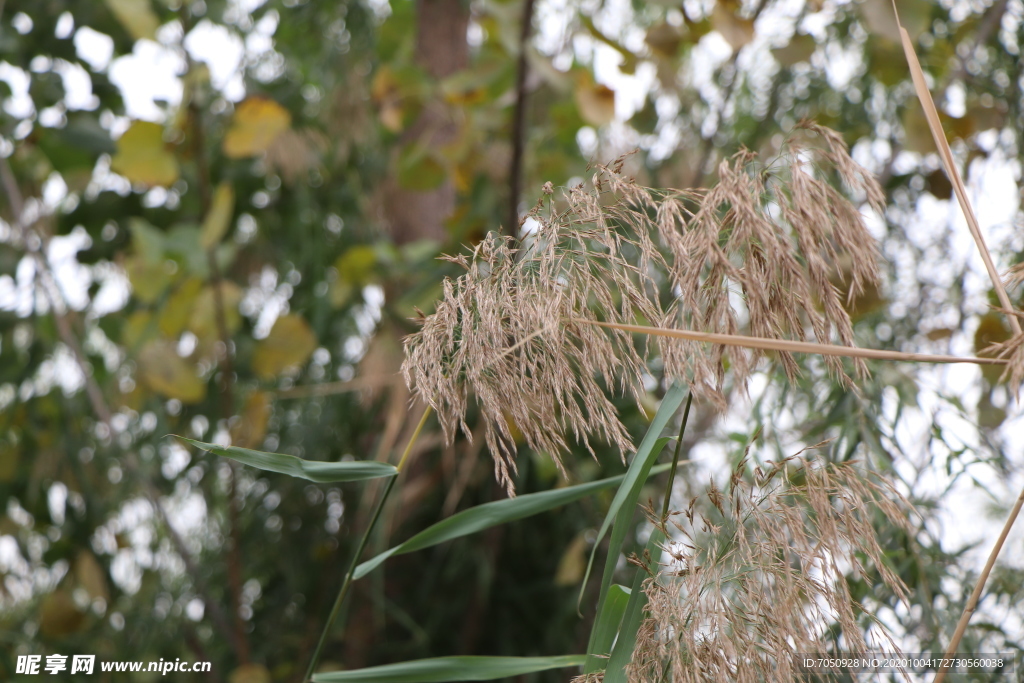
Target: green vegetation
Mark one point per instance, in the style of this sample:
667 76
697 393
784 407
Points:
225 220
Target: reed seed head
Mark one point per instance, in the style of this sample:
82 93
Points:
760 575
754 253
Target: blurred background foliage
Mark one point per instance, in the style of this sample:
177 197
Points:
219 218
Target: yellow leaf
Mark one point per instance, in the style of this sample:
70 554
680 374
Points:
148 280
203 321
798 49
250 429
178 309
573 563
255 125
136 16
168 374
250 673
664 39
355 269
916 135
940 333
138 328
736 30
915 15
58 615
90 575
218 220
290 342
596 103
991 330
142 158
387 96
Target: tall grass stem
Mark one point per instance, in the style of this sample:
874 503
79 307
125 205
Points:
347 583
972 602
675 457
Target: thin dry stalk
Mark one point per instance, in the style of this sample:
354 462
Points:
946 155
798 347
972 603
755 252
758 575
1011 350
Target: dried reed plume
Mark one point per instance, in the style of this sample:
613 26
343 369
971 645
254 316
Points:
763 576
1012 350
755 252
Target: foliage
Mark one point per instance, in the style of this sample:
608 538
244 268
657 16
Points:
238 259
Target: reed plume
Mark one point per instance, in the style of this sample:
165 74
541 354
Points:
758 573
754 253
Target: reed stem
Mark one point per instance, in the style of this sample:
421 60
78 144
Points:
675 458
347 583
972 603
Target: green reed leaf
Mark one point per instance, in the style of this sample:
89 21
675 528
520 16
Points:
313 470
606 628
488 515
621 514
633 616
440 669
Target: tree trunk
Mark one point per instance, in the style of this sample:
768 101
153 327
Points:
441 49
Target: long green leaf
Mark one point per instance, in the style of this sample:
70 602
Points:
615 607
633 617
621 513
441 669
313 470
488 515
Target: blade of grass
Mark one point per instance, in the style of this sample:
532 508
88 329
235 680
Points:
606 628
634 615
946 154
312 470
492 514
629 622
442 669
793 346
621 513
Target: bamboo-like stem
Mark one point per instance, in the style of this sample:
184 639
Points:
793 346
972 602
346 583
675 458
946 155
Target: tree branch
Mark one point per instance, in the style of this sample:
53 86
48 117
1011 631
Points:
519 121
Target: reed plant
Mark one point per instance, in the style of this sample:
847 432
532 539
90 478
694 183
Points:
615 283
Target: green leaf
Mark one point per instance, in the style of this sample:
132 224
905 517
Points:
605 630
218 219
142 158
622 509
418 170
441 669
313 470
488 515
633 616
